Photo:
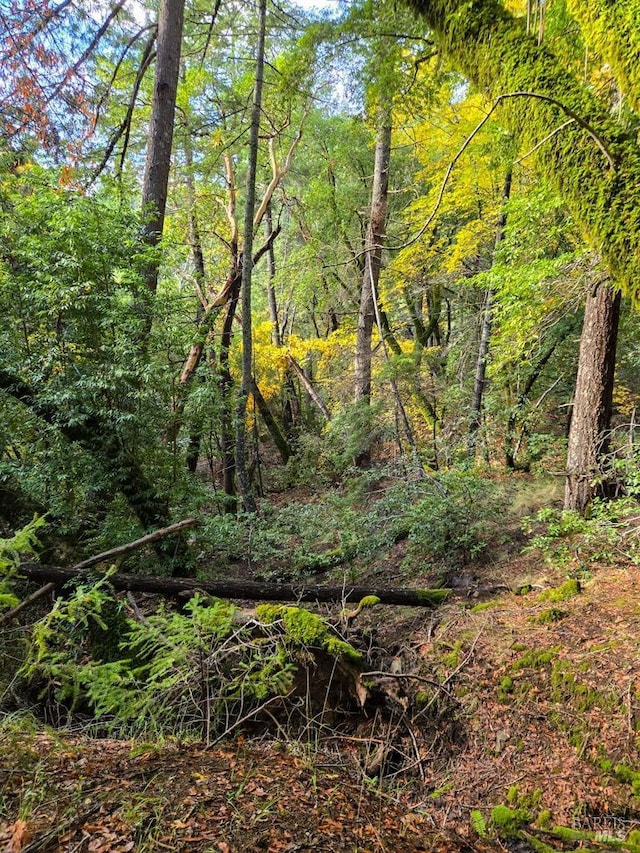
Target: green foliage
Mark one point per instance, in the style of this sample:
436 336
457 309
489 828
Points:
446 518
73 298
608 532
23 543
507 822
478 823
306 629
452 519
195 671
489 46
175 672
351 433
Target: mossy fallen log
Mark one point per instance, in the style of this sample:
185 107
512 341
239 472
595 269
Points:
182 588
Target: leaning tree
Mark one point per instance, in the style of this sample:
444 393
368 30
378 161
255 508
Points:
592 160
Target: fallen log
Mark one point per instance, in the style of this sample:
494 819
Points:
121 550
181 588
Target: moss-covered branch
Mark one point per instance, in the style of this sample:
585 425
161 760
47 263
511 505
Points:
613 30
493 50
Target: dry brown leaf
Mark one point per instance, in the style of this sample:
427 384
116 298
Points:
20 836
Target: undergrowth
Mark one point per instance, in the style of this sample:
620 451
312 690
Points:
203 671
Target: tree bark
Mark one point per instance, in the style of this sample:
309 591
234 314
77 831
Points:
160 140
591 416
308 387
272 425
480 379
244 483
184 587
373 257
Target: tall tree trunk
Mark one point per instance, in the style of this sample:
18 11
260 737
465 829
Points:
226 387
160 139
591 416
276 335
373 257
247 268
480 379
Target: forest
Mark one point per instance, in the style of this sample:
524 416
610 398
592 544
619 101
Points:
319 520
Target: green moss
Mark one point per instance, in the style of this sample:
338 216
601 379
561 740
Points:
611 28
535 659
544 819
507 822
432 596
566 689
564 833
539 846
505 688
628 776
307 629
549 616
484 605
452 658
569 589
368 601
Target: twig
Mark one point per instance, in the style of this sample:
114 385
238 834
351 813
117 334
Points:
244 719
407 675
39 593
467 658
417 751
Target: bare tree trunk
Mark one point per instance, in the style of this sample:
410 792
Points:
373 257
226 387
591 416
160 140
276 335
247 268
485 332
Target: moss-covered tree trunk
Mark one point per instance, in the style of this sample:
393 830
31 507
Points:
592 161
591 416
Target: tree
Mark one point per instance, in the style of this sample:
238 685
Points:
158 160
485 331
376 230
592 161
591 413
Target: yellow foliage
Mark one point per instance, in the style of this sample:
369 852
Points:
625 401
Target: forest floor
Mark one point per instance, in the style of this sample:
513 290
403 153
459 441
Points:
521 692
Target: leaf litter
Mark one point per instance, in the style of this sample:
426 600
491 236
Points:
546 710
